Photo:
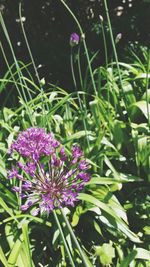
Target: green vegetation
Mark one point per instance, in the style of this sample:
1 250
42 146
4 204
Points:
106 112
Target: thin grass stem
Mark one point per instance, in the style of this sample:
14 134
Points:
72 69
115 51
79 67
17 67
147 84
106 63
34 65
74 238
84 44
63 238
82 107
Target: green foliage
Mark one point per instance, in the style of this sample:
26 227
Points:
111 123
106 253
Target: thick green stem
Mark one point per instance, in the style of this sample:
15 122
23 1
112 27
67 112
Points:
74 239
63 238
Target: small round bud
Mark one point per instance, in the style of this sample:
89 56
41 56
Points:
118 38
101 18
74 39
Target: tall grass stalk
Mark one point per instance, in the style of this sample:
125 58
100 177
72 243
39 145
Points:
106 63
147 85
79 67
27 44
115 52
14 56
22 81
84 44
34 65
72 68
16 85
81 105
74 238
10 71
63 238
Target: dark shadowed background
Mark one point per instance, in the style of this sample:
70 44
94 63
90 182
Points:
48 27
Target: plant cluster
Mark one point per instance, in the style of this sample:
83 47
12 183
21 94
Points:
74 167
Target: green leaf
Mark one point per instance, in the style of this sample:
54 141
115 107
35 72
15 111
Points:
146 96
119 224
106 253
97 228
26 244
142 254
2 168
3 258
126 262
143 106
7 209
108 181
78 135
14 253
142 76
129 93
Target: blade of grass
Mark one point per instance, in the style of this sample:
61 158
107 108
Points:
82 254
3 258
63 238
27 243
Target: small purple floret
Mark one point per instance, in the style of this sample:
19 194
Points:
53 182
74 39
12 173
16 189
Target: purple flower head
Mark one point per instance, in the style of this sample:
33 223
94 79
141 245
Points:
35 142
74 39
52 183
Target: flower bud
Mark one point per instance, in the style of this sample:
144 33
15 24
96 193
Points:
74 39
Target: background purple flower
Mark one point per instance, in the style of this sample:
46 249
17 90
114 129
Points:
74 39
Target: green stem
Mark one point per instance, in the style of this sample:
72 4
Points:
72 69
63 238
79 68
27 44
105 43
20 75
147 83
82 107
74 238
34 66
115 51
106 62
84 44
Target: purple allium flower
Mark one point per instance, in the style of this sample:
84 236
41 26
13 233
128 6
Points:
53 183
74 39
35 142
